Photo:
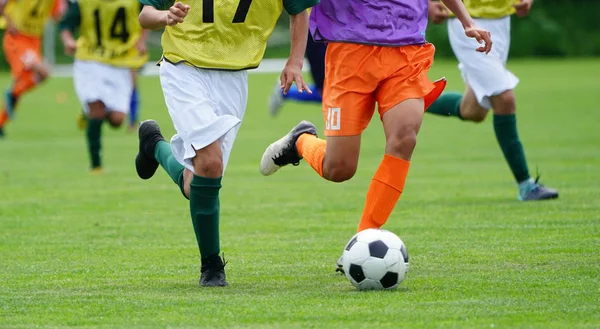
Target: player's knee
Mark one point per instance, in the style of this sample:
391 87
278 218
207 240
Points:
339 170
476 116
116 121
208 165
402 144
505 103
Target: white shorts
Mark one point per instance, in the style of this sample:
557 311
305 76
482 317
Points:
205 106
102 82
485 74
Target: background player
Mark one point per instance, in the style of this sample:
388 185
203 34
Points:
204 79
369 60
490 84
315 54
22 44
105 54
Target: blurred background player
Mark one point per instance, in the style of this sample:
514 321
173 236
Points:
25 21
315 54
489 84
105 54
369 61
204 79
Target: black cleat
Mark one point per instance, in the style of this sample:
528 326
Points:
212 272
340 265
283 151
539 192
149 135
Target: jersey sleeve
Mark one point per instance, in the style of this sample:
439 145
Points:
72 19
295 7
158 4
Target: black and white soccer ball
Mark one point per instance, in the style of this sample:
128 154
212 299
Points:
375 259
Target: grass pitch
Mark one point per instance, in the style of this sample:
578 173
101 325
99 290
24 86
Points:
112 251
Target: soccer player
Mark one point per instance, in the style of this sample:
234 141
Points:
490 84
105 54
370 59
207 49
315 53
22 44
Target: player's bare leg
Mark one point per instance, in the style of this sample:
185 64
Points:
470 110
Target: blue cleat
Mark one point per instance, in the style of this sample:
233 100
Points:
536 191
9 103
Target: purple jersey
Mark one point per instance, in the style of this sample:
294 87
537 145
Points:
374 22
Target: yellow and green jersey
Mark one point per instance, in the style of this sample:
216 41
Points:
490 8
30 16
224 34
108 31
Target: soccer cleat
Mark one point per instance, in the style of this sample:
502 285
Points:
340 265
81 121
276 100
9 103
538 192
96 171
212 272
132 127
283 151
149 135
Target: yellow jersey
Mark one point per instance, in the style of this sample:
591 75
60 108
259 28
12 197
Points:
108 31
30 16
490 8
224 34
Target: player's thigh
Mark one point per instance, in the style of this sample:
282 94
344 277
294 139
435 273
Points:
20 52
470 109
348 94
197 113
401 125
487 75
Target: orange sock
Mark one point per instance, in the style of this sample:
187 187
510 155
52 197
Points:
24 82
312 149
385 189
3 118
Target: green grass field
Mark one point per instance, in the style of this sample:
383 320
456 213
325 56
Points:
113 251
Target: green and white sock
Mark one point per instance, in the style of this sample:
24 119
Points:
164 156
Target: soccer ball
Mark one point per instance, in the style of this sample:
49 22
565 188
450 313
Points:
375 259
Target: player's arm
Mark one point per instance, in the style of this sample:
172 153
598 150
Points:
141 43
471 29
68 25
157 14
298 38
438 13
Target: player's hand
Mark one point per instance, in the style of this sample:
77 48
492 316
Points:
293 73
70 46
482 36
523 7
438 13
141 47
177 13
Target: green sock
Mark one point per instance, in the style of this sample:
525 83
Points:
164 156
204 208
505 127
94 132
448 104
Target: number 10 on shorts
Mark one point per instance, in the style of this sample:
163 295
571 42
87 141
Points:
333 119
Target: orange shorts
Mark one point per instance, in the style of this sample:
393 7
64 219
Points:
358 76
20 51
